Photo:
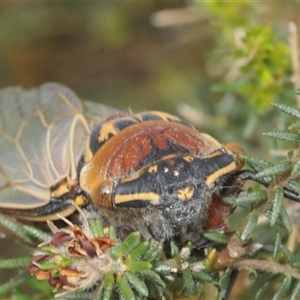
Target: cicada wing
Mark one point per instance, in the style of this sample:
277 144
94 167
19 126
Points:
97 112
42 137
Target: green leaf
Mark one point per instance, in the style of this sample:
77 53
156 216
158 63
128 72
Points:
154 252
47 249
294 185
96 228
154 278
277 169
19 262
188 282
276 208
216 237
202 276
124 289
112 233
296 292
139 266
108 283
138 251
249 227
288 254
265 285
48 266
114 252
165 271
137 284
224 282
294 126
167 276
75 296
247 198
283 289
296 263
256 163
291 110
163 268
37 233
285 219
17 229
283 135
277 247
174 249
296 168
130 242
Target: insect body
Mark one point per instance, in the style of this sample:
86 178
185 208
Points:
150 172
157 174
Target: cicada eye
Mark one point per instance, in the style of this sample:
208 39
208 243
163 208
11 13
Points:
236 151
102 194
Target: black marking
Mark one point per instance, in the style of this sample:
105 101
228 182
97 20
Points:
150 116
123 123
134 204
94 142
251 175
53 207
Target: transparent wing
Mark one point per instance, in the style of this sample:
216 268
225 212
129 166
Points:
42 137
96 112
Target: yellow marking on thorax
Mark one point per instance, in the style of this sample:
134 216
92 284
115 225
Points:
152 197
166 116
59 191
217 174
214 154
188 158
106 129
63 187
133 177
185 193
153 169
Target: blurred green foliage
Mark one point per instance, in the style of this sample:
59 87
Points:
258 60
264 71
251 58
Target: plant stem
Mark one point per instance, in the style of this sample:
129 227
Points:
266 266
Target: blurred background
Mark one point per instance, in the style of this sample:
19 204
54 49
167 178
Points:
217 64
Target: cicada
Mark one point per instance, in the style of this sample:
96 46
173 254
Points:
149 171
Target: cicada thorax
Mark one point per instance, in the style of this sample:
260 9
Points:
103 131
155 159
